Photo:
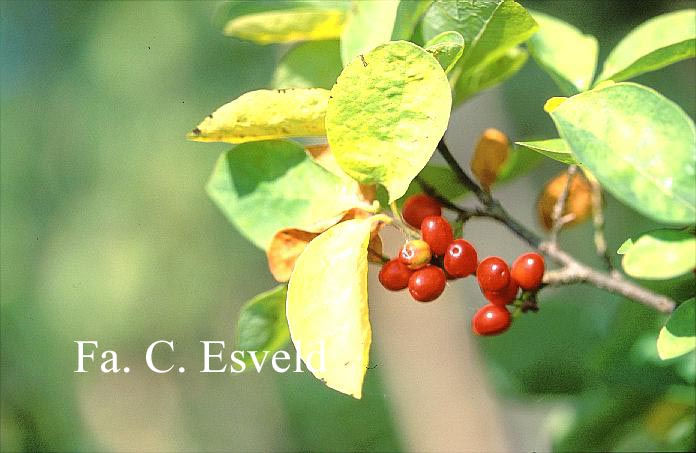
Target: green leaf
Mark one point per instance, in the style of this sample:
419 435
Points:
469 83
374 22
387 112
447 48
565 53
314 64
660 254
327 306
262 325
657 43
678 336
638 144
489 27
266 115
442 179
263 187
555 148
298 24
407 16
516 165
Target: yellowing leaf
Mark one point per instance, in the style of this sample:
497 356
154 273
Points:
389 108
489 156
656 43
266 115
327 306
564 52
300 24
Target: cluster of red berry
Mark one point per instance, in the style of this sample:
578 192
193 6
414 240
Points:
424 266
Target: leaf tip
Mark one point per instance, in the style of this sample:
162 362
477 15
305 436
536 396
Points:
553 103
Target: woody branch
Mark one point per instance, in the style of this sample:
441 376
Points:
571 270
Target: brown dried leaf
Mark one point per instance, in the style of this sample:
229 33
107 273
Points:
285 247
489 156
578 204
289 243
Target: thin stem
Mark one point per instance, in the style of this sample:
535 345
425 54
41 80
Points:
598 221
406 229
557 218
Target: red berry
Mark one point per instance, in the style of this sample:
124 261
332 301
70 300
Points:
394 275
415 254
504 297
427 284
528 271
460 259
490 320
418 207
493 274
437 232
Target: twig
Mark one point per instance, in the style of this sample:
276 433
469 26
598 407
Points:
431 191
598 221
470 184
572 270
557 218
493 208
575 272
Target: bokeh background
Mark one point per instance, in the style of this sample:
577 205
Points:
107 234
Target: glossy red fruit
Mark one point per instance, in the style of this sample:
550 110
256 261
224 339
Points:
415 254
418 207
437 232
490 320
394 275
493 274
460 259
528 271
504 297
426 285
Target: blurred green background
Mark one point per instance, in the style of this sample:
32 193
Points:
107 235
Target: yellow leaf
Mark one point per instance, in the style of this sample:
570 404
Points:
299 24
489 156
327 305
266 115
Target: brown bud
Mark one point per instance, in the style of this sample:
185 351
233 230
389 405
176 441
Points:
578 206
489 156
288 243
